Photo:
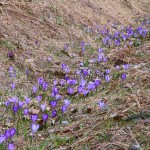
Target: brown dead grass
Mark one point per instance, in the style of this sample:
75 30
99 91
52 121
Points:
22 23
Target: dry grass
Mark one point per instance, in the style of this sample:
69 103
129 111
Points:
54 23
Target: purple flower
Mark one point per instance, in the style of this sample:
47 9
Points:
91 86
11 146
53 103
44 117
20 103
100 50
125 66
117 67
34 127
107 71
62 82
25 111
71 82
43 107
27 100
97 83
55 82
39 98
85 72
107 78
11 55
27 72
12 132
123 76
34 117
66 77
54 90
15 108
85 92
2 138
45 86
105 59
13 86
83 82
80 89
63 108
101 104
70 90
63 66
40 81
58 97
7 103
54 113
34 89
49 58
13 100
66 102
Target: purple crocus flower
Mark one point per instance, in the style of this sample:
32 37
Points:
34 89
58 97
62 82
91 86
70 90
27 100
100 50
39 98
101 104
53 103
43 107
11 146
66 102
105 59
117 67
85 72
20 103
44 117
54 90
107 78
25 111
34 127
11 55
80 89
2 138
63 66
13 100
13 85
85 92
107 71
83 82
125 66
34 118
40 81
123 76
97 82
27 72
55 82
15 108
12 132
7 103
71 82
67 77
63 108
45 86
54 113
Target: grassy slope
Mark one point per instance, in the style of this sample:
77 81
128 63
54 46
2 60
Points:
52 24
